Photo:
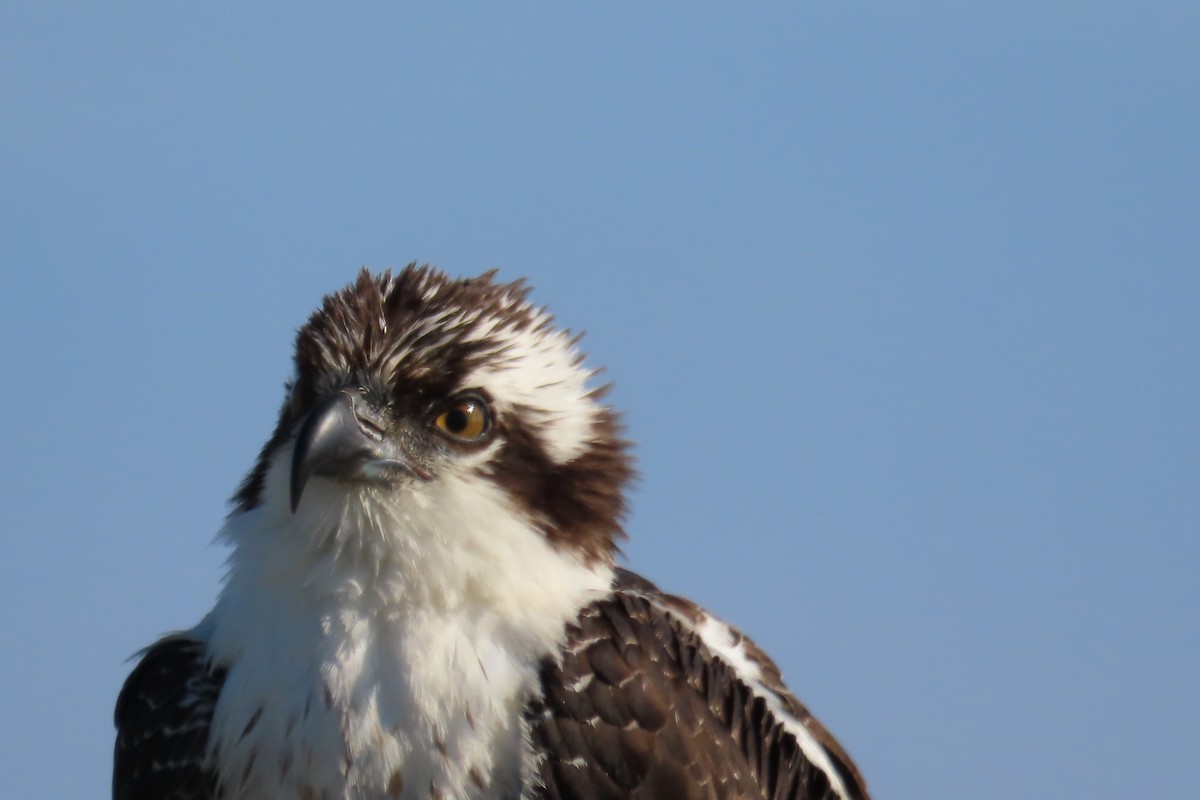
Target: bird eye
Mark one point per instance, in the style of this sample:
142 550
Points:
466 417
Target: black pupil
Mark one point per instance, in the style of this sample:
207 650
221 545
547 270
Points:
458 418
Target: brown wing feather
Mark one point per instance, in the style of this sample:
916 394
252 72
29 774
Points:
162 716
640 708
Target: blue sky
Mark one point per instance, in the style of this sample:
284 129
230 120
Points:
902 302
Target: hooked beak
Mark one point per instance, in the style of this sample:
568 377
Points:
346 439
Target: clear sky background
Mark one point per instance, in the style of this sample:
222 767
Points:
902 301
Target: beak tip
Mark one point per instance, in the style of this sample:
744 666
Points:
294 497
299 477
296 484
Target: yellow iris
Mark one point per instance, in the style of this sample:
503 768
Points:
464 418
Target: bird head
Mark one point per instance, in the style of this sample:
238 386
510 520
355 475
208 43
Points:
420 397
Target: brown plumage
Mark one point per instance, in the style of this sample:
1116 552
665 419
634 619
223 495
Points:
627 692
641 708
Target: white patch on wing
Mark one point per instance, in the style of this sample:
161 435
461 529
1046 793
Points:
378 634
720 639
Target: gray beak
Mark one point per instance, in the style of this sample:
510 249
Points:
345 438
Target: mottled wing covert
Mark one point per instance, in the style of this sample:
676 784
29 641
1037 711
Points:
163 715
643 707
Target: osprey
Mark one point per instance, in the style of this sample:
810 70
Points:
422 601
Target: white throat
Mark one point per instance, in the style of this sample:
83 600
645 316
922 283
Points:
380 645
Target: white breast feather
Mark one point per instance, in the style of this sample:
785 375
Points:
385 648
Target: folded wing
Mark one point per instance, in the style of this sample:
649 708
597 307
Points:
654 698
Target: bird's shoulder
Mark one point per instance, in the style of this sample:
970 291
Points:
654 698
162 716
